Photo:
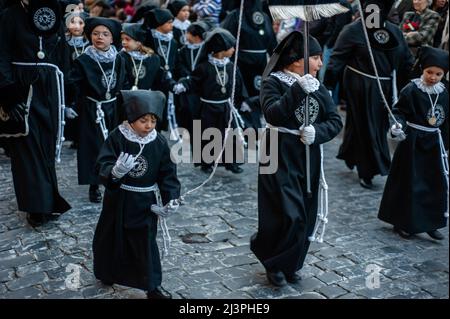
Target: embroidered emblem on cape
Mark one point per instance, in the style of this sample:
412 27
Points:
44 18
258 18
313 110
108 76
222 76
381 36
283 77
439 114
140 168
257 82
142 73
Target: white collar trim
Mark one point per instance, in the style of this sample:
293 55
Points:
284 77
430 89
130 134
182 25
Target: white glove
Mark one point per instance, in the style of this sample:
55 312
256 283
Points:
397 132
70 113
245 107
170 208
124 164
179 88
308 83
307 134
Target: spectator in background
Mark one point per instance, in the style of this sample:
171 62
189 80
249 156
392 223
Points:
398 10
419 26
208 11
101 9
441 7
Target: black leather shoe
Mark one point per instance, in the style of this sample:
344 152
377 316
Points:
293 279
366 183
435 234
95 196
402 233
276 278
159 293
207 169
36 219
235 169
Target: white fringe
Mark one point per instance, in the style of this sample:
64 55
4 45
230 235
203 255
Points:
307 12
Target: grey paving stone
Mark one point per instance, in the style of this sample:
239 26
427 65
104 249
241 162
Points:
27 281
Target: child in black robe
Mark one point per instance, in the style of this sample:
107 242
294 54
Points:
180 10
141 188
415 198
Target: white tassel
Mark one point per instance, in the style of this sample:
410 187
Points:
308 12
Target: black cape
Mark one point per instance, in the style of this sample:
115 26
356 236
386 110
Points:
33 156
415 195
365 145
286 217
87 80
124 247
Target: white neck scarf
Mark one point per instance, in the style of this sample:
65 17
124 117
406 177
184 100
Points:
137 55
218 62
430 89
162 36
102 56
182 25
77 41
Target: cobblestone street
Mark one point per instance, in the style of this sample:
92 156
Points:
210 255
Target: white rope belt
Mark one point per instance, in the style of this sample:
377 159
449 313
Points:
322 215
172 119
214 101
61 103
368 75
254 51
161 221
100 120
444 161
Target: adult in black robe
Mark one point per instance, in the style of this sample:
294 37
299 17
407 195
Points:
91 86
286 216
365 145
415 197
33 156
125 248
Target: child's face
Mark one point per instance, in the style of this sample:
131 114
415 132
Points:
228 53
144 125
183 14
166 27
101 38
315 63
130 44
432 75
193 38
76 27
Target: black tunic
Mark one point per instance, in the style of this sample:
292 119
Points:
124 246
33 156
87 78
415 195
365 145
286 217
205 82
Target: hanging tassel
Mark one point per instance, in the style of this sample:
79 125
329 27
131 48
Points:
306 12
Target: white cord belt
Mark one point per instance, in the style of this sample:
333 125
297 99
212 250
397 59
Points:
444 156
214 101
254 51
368 75
100 120
322 215
136 189
61 103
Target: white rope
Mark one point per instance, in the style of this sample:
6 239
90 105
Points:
372 59
100 120
444 156
172 120
61 103
231 103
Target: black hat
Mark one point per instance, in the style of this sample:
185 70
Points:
176 6
141 11
198 28
135 30
219 40
429 56
113 25
289 50
157 17
141 102
45 16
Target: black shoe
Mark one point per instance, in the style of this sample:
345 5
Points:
235 169
276 278
435 234
293 279
207 169
366 183
158 293
402 233
95 196
36 219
